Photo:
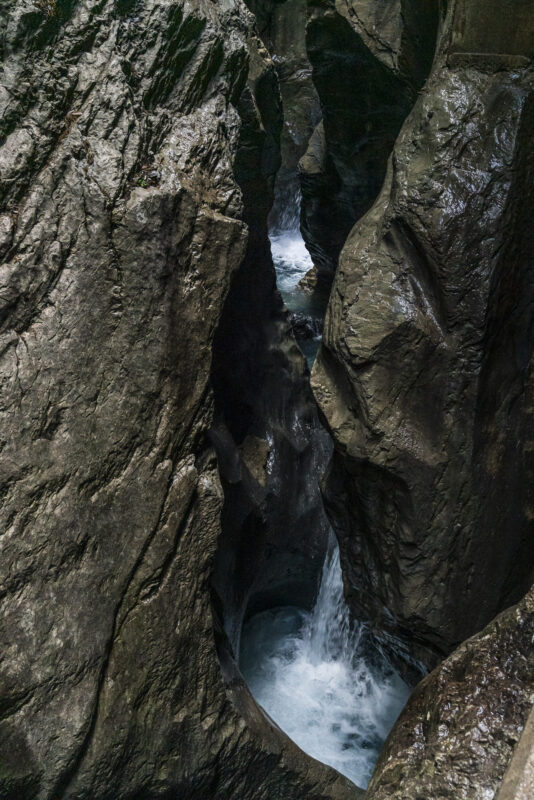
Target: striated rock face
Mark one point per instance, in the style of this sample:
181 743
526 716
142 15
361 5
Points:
141 333
369 61
456 736
121 224
425 375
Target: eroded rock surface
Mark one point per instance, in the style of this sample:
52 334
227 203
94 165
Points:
425 375
458 732
369 61
121 225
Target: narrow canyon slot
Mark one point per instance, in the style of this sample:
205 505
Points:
320 675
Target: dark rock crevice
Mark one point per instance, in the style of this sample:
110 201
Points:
505 392
270 444
369 62
282 27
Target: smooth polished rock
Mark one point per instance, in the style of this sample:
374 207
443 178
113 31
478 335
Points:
425 374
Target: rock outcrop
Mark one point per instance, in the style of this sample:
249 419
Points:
518 782
160 444
369 61
425 376
121 225
457 734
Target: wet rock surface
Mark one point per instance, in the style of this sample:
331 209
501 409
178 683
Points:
457 734
305 326
282 27
141 333
425 374
369 61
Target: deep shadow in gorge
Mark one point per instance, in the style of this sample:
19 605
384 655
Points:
271 447
272 450
369 63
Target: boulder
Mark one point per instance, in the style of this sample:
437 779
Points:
457 735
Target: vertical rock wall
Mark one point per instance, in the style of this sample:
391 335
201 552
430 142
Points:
494 26
425 379
121 225
369 61
425 373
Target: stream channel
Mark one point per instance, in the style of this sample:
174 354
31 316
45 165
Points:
324 681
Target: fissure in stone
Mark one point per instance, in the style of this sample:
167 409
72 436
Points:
322 677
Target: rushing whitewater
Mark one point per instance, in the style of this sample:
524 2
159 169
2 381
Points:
292 261
291 258
327 686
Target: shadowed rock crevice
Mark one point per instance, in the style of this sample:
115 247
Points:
369 61
270 444
282 27
501 453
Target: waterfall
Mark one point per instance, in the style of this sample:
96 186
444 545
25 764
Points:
288 217
319 676
328 629
326 685
292 263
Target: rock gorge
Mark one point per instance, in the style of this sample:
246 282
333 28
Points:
161 443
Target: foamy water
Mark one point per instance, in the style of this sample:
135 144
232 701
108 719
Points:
329 688
291 259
